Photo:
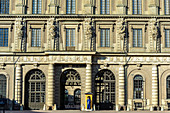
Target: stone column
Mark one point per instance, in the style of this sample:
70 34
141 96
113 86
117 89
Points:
154 86
88 78
121 86
18 84
50 86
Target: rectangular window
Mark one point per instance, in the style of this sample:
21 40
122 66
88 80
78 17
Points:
137 38
71 7
104 6
4 4
70 38
137 6
167 37
3 37
105 38
36 6
36 38
167 7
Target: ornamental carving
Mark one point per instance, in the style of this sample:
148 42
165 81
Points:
121 29
19 26
153 29
51 28
121 41
88 32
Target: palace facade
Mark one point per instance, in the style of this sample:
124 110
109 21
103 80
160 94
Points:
52 52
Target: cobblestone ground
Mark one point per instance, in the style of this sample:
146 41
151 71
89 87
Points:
71 111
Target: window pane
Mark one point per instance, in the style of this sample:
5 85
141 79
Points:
71 7
137 38
4 6
3 37
36 38
167 6
70 37
104 6
167 38
137 6
138 87
2 86
36 6
105 38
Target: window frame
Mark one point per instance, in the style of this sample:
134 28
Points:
3 38
167 88
31 26
37 7
78 35
10 35
138 25
141 91
71 11
36 32
164 4
165 38
70 47
6 7
105 30
137 45
105 11
139 11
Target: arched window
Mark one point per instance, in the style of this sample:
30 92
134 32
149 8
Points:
138 87
2 86
77 96
35 89
168 87
105 89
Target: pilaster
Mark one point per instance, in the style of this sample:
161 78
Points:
121 86
88 78
88 9
20 7
18 84
154 86
52 7
121 8
153 7
18 34
50 86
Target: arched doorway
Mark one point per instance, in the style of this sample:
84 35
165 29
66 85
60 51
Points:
105 90
3 86
35 89
70 93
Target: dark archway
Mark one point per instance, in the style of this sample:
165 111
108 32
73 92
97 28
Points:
105 90
70 85
35 90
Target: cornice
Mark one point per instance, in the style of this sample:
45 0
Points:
84 16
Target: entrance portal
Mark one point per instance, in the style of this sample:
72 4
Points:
105 90
35 90
70 90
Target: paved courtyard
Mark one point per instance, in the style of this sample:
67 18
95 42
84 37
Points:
76 111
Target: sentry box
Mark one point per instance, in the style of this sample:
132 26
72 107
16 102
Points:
88 101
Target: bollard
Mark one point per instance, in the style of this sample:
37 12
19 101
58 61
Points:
21 107
162 108
94 107
44 107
